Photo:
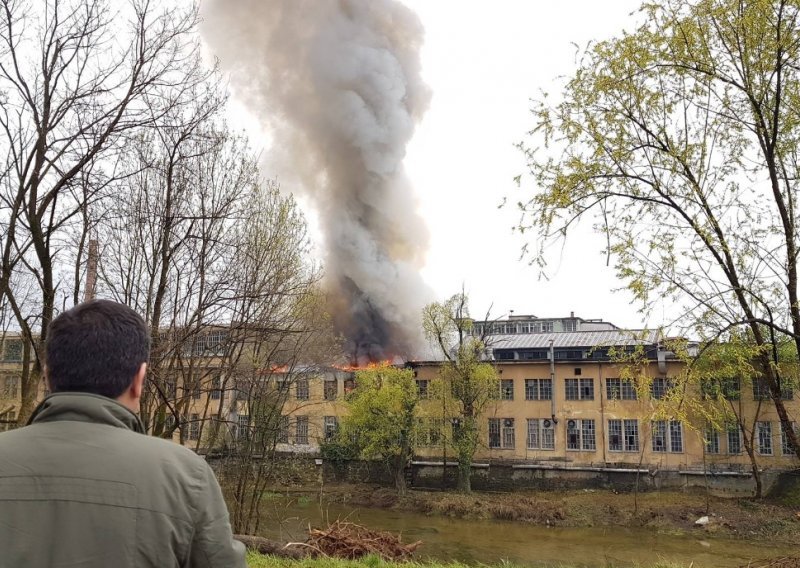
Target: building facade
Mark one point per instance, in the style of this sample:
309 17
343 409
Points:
563 399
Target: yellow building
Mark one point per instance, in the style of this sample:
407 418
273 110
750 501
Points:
562 400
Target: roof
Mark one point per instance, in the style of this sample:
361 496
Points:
604 338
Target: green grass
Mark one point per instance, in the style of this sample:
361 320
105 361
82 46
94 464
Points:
255 560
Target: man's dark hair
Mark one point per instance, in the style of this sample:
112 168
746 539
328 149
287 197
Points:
96 347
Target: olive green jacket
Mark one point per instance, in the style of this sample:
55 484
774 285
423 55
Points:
82 487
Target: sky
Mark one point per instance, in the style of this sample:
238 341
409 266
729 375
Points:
484 61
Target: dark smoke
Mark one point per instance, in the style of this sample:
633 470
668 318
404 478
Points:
337 84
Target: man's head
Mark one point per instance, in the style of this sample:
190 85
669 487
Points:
99 347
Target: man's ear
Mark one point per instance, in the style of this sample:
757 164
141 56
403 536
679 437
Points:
138 382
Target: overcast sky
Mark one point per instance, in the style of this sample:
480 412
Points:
483 61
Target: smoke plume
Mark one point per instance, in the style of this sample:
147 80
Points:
337 85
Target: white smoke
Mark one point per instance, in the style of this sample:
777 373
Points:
337 84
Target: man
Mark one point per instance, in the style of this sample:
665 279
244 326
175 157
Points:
82 487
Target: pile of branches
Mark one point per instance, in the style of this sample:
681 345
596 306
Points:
351 541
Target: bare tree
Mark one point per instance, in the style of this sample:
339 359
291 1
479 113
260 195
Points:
77 77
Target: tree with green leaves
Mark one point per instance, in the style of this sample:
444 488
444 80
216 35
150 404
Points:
681 141
469 383
382 417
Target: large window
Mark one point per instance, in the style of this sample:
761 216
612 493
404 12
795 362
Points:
623 435
579 389
301 389
429 432
283 429
538 389
581 435
194 427
506 389
330 387
728 388
541 434
734 439
501 433
10 386
786 447
667 436
620 389
301 430
8 421
244 427
330 426
761 390
13 350
764 433
660 387
216 387
712 441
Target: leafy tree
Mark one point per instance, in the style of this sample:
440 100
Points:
682 141
469 383
382 418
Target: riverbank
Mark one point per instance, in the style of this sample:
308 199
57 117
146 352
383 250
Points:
259 561
669 512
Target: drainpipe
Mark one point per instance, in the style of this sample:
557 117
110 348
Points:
553 385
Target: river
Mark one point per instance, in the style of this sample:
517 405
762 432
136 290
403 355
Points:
491 541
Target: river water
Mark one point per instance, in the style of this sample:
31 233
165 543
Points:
485 541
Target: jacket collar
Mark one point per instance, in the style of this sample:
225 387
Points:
85 407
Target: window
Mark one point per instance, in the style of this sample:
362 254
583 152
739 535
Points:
170 389
422 388
734 439
569 325
579 389
712 441
301 389
667 436
619 389
764 430
330 426
244 427
8 421
786 448
675 436
660 387
11 386
349 385
13 350
216 388
283 429
547 326
429 432
581 435
330 388
727 388
196 391
761 390
506 389
301 430
541 434
538 389
623 435
194 427
501 433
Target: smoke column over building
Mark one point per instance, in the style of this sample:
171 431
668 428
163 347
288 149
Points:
337 84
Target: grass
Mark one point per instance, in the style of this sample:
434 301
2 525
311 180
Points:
255 560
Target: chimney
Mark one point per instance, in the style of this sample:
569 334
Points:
91 271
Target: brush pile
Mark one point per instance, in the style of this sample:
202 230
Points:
351 541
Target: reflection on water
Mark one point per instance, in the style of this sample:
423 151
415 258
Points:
472 541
